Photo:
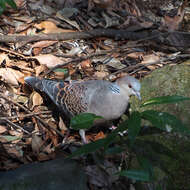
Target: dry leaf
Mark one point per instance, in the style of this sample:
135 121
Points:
4 57
100 135
43 44
100 74
2 129
37 51
147 59
62 125
38 46
36 99
10 75
86 64
40 69
49 60
50 27
37 143
173 23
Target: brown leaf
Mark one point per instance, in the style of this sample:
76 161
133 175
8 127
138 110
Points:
2 129
37 50
50 27
43 44
4 57
10 75
173 23
49 60
86 64
40 69
37 143
36 99
100 135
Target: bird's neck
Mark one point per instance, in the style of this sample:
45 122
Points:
114 88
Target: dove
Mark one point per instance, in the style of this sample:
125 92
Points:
100 97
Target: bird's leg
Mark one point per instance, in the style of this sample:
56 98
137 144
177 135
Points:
82 134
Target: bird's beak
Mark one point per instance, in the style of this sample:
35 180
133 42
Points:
138 95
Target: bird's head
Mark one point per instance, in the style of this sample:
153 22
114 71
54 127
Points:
130 85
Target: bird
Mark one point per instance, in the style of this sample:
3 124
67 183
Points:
100 97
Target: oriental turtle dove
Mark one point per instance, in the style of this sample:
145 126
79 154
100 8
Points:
100 97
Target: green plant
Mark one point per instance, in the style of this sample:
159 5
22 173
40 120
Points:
3 5
148 154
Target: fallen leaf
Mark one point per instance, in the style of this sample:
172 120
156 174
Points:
2 129
10 75
4 57
86 64
36 99
40 69
37 143
100 135
50 27
173 23
43 44
49 60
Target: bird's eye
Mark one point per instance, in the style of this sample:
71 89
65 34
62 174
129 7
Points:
130 86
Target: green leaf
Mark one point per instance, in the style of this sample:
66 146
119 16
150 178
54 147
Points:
2 6
165 121
63 70
164 100
146 166
114 150
148 130
11 3
134 126
161 149
102 143
83 121
88 148
143 149
10 138
140 175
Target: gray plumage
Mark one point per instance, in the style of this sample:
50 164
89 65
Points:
100 97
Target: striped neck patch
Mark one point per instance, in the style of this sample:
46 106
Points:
114 88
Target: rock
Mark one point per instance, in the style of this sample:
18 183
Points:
51 175
168 80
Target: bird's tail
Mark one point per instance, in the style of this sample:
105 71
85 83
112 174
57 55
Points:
34 82
51 88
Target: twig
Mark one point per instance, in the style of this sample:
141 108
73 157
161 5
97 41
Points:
26 115
138 67
28 111
110 33
77 60
15 125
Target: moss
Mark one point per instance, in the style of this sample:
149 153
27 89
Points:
171 80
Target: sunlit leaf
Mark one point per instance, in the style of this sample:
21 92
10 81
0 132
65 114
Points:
165 121
63 70
164 100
